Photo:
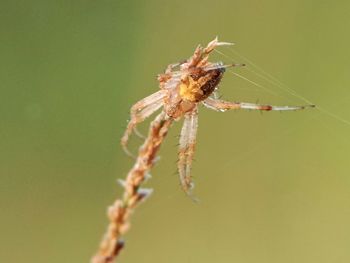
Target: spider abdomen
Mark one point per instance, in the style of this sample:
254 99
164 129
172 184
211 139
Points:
199 85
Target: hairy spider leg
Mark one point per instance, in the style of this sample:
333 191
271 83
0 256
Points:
215 43
187 148
139 112
200 56
221 105
170 67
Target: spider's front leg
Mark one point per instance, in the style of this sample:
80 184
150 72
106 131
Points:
215 43
186 149
139 112
200 56
170 67
221 105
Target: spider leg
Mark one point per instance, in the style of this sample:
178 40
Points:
186 149
139 112
170 67
170 78
200 55
221 105
139 134
215 43
222 66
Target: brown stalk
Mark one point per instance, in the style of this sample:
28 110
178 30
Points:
119 213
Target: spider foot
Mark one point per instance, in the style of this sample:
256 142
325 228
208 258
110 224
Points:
188 191
126 150
139 134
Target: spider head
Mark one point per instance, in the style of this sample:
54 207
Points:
199 84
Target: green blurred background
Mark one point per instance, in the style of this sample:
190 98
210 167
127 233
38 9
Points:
273 187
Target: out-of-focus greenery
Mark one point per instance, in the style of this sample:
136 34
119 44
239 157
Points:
273 187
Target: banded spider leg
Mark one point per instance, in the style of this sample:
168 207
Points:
139 112
186 149
222 105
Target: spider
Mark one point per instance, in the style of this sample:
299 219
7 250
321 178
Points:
183 86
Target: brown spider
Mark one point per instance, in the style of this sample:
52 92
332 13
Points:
181 91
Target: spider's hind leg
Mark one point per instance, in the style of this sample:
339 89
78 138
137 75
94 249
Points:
221 105
186 150
139 112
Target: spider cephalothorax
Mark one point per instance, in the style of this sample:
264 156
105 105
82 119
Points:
183 86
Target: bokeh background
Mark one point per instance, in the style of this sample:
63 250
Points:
273 187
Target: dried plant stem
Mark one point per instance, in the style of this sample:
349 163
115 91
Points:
119 213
